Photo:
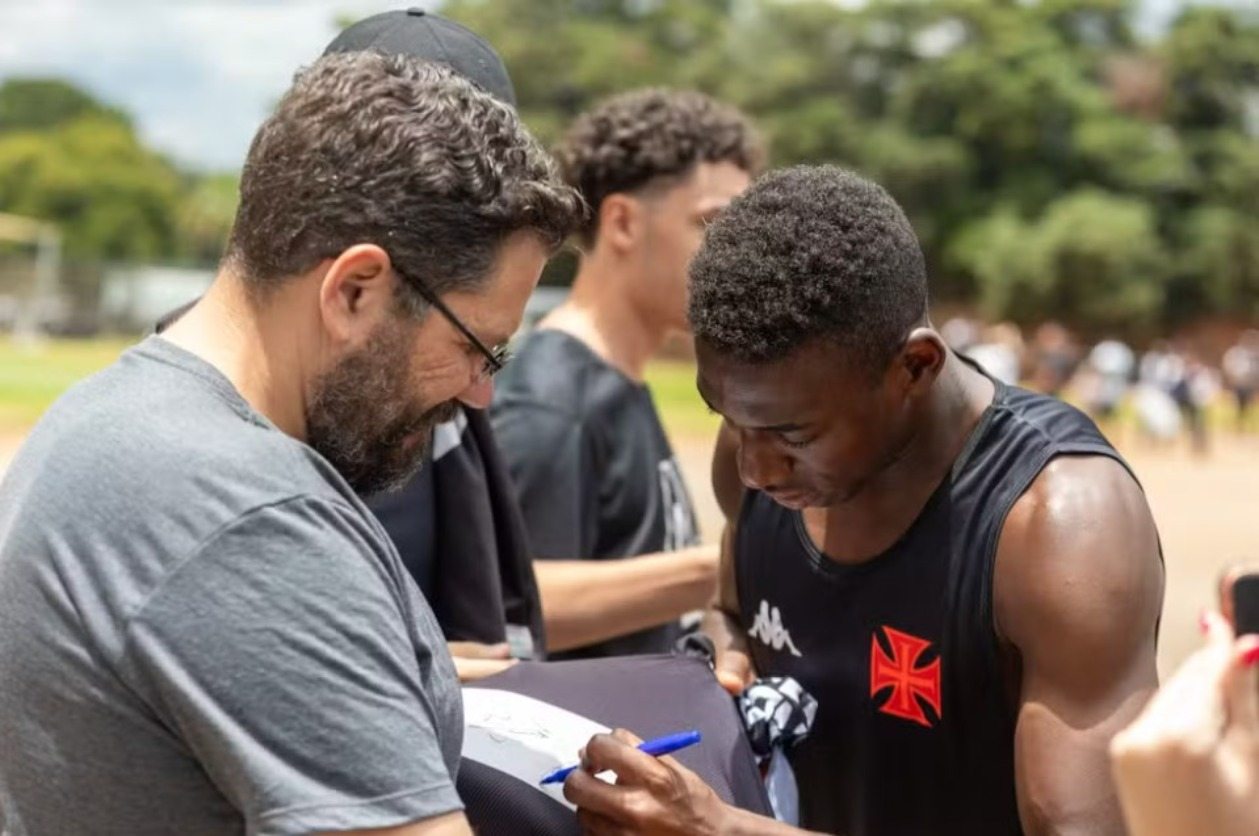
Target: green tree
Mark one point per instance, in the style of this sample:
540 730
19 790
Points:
1001 252
112 197
33 104
70 159
1093 259
1212 57
1220 256
1104 262
205 216
565 54
1053 163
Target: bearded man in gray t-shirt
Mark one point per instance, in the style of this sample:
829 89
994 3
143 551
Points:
202 629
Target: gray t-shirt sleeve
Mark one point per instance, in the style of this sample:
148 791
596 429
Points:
279 654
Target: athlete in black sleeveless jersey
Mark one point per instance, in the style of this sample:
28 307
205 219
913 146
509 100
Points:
965 574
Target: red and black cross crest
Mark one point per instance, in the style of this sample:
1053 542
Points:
912 686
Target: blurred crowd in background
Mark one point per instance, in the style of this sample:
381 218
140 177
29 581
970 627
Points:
1167 389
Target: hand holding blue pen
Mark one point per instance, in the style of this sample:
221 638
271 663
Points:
665 745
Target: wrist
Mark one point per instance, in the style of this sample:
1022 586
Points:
725 820
704 559
733 821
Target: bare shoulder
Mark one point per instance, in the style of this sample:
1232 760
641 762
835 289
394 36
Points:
1078 568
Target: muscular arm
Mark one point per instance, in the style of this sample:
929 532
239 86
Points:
733 664
1078 589
586 601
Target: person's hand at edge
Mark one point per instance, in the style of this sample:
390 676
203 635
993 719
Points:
1189 764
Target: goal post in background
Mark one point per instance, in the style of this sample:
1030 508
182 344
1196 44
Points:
44 285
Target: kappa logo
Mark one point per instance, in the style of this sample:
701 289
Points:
912 686
768 627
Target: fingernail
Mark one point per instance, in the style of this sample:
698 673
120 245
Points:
1203 623
1251 657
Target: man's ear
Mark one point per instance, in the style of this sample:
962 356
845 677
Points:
620 222
921 359
356 293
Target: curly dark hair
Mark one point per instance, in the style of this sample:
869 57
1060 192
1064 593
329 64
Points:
398 152
808 253
632 139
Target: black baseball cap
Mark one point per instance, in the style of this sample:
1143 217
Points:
434 38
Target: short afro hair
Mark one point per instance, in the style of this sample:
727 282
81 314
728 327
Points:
808 253
630 140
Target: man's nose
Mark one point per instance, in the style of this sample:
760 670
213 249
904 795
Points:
760 466
478 395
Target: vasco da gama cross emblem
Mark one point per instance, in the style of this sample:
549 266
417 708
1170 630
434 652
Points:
912 686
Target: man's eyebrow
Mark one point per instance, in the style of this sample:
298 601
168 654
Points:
775 428
780 428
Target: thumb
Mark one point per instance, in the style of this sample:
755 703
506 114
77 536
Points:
731 681
733 671
1241 689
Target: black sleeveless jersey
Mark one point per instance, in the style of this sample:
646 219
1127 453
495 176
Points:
915 729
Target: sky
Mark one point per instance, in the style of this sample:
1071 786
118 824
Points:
199 77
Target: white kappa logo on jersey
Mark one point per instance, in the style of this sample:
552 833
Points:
768 627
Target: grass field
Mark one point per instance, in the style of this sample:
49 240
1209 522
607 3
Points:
31 378
1204 504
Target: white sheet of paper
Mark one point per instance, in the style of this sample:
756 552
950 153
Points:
524 737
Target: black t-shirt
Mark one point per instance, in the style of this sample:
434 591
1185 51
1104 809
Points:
593 470
409 516
456 526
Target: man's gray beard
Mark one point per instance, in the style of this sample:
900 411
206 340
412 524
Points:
360 414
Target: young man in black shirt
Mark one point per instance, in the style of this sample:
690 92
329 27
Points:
964 574
596 478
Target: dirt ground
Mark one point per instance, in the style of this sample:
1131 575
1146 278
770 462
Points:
1207 509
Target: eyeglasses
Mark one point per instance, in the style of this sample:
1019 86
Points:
495 358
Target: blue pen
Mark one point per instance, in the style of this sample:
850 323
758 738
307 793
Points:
660 746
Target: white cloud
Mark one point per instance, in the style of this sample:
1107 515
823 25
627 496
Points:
197 76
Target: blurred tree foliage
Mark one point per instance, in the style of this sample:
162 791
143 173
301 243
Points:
68 158
1054 163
